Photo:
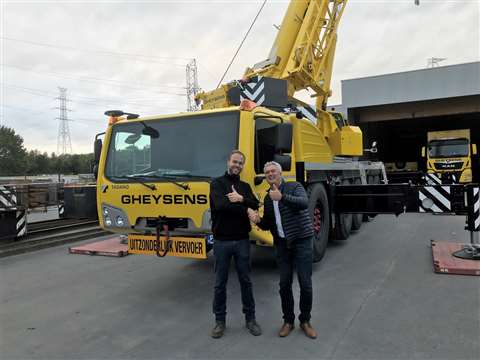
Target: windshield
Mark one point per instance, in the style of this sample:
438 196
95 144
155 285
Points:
190 147
448 148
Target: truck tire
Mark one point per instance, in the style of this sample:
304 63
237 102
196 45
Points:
320 214
343 223
357 219
371 179
365 217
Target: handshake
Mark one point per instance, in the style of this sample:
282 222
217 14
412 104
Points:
253 216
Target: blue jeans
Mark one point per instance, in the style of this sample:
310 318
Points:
299 256
240 251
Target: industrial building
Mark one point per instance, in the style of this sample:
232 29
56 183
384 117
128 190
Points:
397 110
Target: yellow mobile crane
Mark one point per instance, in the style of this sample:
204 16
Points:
154 171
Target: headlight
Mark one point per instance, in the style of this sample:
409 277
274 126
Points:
114 217
119 221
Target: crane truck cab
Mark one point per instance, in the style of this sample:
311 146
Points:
449 155
154 173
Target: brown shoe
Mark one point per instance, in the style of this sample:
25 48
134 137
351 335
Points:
285 330
308 330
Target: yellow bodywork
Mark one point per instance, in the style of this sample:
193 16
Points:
439 166
138 202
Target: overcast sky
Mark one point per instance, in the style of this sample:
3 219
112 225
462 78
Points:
131 55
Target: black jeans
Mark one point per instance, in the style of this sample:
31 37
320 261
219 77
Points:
240 251
300 256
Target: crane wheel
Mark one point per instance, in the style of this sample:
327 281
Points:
320 213
343 223
357 219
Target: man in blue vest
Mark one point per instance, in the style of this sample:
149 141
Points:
286 215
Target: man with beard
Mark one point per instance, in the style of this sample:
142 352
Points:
230 199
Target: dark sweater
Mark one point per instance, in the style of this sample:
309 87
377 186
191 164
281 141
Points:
230 220
293 206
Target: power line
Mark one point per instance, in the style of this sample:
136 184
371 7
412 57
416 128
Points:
95 80
136 57
240 46
17 108
45 93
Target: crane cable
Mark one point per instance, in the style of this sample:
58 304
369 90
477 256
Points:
240 46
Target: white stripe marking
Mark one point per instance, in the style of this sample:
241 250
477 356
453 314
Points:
433 179
4 201
436 195
254 95
261 100
21 222
423 197
307 114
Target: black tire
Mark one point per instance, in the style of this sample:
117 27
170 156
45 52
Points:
357 219
365 217
371 179
320 214
343 223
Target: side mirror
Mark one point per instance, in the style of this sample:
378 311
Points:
474 149
423 151
283 138
153 133
97 150
373 149
284 160
150 131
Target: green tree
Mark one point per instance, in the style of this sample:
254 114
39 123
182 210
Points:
12 153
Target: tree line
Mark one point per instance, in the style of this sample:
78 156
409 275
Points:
16 160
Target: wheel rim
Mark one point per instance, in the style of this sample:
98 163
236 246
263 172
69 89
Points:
317 220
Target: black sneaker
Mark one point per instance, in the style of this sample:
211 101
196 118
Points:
253 327
218 330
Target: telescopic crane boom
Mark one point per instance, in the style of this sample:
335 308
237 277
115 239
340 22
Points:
302 53
304 48
302 58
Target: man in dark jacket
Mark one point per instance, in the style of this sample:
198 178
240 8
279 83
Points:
286 216
230 198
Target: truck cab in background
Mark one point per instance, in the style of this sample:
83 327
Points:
449 155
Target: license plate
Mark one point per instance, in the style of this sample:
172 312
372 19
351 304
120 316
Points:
186 247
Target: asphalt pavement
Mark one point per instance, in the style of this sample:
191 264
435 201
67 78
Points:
375 297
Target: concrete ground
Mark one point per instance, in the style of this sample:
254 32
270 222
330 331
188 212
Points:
375 297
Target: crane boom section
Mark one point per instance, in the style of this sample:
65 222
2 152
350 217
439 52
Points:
304 47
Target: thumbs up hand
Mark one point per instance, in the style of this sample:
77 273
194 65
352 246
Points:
274 193
234 196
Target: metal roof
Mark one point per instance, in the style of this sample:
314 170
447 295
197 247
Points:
418 85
